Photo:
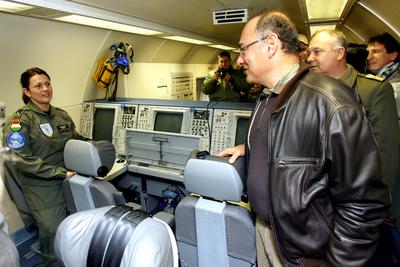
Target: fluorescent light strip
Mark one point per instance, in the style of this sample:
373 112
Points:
186 40
223 47
322 9
12 7
106 24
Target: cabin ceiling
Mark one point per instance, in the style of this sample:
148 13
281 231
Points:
360 19
196 16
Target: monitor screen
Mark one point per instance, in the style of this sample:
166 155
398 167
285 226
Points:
103 124
168 122
242 127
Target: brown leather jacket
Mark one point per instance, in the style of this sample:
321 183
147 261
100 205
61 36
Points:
326 198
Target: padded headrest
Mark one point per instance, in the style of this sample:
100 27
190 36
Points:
152 243
89 158
214 177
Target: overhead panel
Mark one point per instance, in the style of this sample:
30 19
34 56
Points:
230 16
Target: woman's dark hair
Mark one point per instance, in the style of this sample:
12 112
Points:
25 78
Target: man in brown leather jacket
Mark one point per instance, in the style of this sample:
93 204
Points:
314 177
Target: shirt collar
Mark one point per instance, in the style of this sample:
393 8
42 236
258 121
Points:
283 80
36 109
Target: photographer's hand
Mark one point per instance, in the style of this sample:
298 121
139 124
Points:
227 77
217 74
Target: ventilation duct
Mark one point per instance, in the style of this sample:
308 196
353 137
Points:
230 16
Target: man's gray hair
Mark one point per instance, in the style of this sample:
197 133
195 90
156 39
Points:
338 38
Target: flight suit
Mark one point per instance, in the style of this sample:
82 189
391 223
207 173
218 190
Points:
378 100
38 138
221 90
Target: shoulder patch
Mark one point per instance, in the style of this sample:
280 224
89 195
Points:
374 77
19 113
15 140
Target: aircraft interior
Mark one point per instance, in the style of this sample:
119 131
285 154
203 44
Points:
162 130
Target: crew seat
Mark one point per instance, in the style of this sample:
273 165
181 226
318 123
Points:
90 159
115 236
210 230
13 185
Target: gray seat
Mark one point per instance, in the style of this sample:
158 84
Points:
210 231
9 254
90 159
12 183
115 236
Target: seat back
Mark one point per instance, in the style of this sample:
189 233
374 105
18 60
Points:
11 181
115 236
90 159
9 253
210 230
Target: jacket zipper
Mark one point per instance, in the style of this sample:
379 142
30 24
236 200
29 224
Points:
295 161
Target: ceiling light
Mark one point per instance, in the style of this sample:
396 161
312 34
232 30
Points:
223 47
12 7
186 40
314 28
106 24
322 9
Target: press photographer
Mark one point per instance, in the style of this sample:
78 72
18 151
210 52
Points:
226 83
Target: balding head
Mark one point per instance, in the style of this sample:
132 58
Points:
282 26
268 43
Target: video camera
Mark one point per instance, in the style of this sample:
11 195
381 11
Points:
222 72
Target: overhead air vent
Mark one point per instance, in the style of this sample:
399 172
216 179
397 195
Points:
230 16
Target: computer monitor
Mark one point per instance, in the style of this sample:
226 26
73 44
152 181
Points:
103 123
168 122
242 126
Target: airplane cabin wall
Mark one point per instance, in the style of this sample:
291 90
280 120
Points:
154 61
70 54
65 51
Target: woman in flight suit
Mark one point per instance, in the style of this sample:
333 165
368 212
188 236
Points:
37 133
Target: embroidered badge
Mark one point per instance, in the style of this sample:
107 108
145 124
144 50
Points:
64 128
15 125
15 140
46 129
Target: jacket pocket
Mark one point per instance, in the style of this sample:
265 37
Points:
284 161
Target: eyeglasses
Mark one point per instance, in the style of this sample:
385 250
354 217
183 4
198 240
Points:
243 49
39 86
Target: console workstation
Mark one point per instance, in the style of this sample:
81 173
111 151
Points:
153 139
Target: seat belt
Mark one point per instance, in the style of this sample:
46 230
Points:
102 235
121 236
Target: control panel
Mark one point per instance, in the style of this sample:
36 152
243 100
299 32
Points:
143 121
127 120
200 125
226 127
86 122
